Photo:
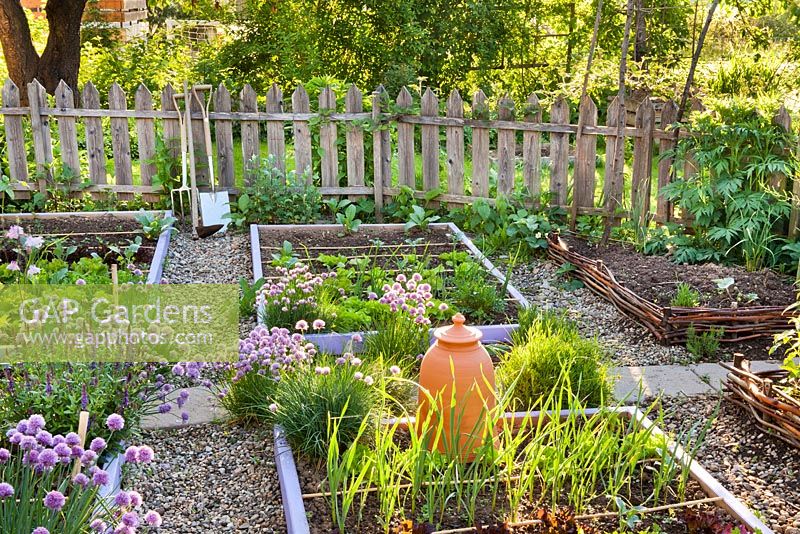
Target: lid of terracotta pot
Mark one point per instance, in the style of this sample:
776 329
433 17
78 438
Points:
457 333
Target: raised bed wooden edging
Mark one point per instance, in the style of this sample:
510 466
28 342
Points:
335 343
773 410
156 269
297 521
670 324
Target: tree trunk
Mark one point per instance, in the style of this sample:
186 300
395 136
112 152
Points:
61 57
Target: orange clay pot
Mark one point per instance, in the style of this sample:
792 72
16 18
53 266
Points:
457 367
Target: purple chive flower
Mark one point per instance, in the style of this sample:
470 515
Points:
122 528
97 445
33 270
48 458
273 408
130 519
368 380
40 530
98 525
15 232
123 500
318 324
81 480
136 498
395 370
358 375
5 455
152 518
35 423
356 338
13 266
131 454
80 282
115 422
185 417
178 370
88 457
146 454
63 450
443 307
54 500
100 477
6 490
164 408
301 325
72 439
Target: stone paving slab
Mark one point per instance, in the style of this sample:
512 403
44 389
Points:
202 407
714 374
657 379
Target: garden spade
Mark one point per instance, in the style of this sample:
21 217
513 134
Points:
215 205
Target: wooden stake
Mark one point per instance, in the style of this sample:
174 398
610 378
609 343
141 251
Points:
83 426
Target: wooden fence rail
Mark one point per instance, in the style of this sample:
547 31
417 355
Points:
467 150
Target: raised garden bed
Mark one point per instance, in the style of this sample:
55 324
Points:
637 286
94 232
764 395
386 246
703 491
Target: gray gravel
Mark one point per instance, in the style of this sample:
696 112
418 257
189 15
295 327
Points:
761 470
628 342
211 478
215 260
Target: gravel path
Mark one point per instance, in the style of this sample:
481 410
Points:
761 470
211 478
214 477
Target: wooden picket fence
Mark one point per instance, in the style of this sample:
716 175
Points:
519 143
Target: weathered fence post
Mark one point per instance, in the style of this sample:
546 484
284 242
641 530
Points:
223 131
302 134
480 147
405 143
355 140
559 152
327 139
40 126
532 150
669 114
455 145
643 161
120 137
95 146
15 138
506 148
612 182
585 157
171 127
146 135
251 145
276 141
430 142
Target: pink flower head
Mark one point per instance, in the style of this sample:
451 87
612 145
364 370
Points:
273 408
34 242
318 324
358 375
368 380
301 325
395 370
33 270
54 500
443 307
13 266
152 518
15 232
115 422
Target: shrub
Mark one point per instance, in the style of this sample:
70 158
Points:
685 297
705 344
552 355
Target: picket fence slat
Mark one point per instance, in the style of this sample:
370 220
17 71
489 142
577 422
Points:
40 128
302 134
15 136
146 135
276 142
327 140
430 143
506 148
251 146
669 114
385 139
93 126
480 147
67 132
223 129
377 157
455 145
559 152
532 149
612 186
585 157
643 161
405 144
354 139
171 126
120 138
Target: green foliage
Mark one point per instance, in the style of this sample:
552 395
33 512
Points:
734 208
419 219
705 344
275 197
551 355
348 219
685 297
154 225
475 293
247 296
308 400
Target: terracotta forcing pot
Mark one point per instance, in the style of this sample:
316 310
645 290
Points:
457 368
